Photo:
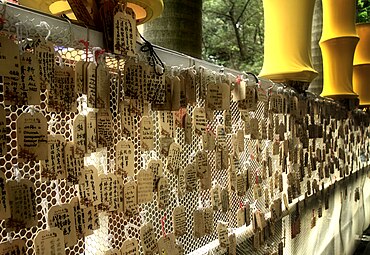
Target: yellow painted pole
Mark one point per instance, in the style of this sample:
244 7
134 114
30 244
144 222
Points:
287 47
338 43
361 62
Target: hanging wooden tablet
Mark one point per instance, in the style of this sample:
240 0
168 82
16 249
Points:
90 216
181 187
206 180
232 244
134 78
104 127
174 158
240 217
225 200
144 186
221 136
88 188
226 96
240 184
179 220
61 216
54 167
17 246
166 105
208 220
216 197
3 132
250 101
91 84
255 133
146 134
80 75
79 135
179 119
49 241
209 141
125 158
154 87
163 193
176 93
78 216
127 121
164 144
22 204
4 198
73 163
247 209
275 148
166 123
191 177
198 223
222 233
227 121
201 161
225 159
232 179
102 87
91 132
130 205
148 239
130 247
46 56
10 59
32 137
61 95
124 31
267 197
167 244
29 82
214 97
240 140
188 129
110 192
199 121
189 75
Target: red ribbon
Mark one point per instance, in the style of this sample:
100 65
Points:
238 79
98 53
162 221
241 205
86 44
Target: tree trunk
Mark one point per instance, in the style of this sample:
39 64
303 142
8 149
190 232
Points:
238 38
317 83
178 28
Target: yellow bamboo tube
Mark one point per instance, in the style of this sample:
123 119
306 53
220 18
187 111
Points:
338 44
287 46
361 68
337 56
338 19
361 83
362 53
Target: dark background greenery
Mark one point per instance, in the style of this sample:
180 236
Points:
233 32
363 11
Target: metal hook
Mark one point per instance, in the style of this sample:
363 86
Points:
45 25
70 32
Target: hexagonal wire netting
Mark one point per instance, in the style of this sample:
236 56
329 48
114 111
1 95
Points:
112 225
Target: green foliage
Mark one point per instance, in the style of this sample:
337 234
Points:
363 11
233 33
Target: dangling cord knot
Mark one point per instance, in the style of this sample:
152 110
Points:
86 44
153 59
